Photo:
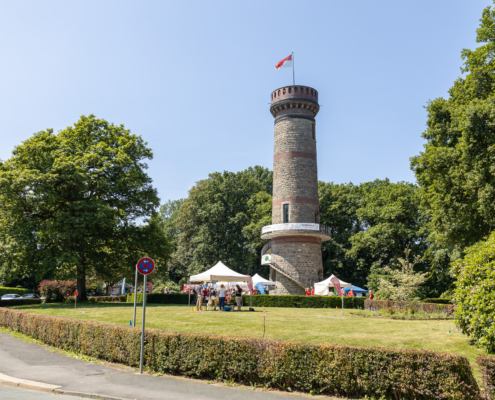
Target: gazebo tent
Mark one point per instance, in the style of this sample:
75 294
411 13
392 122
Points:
265 282
356 290
220 272
322 288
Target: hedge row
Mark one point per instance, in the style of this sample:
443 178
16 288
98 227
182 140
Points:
311 367
9 290
161 298
487 365
437 301
405 305
304 301
19 302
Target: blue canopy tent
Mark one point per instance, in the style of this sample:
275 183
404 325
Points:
356 290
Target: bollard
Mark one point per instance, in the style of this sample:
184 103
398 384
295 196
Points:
130 322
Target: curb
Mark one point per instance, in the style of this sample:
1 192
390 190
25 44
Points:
10 381
25 384
96 396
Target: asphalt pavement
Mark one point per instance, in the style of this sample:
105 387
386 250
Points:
29 362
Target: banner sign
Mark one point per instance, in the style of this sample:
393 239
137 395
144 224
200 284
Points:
290 227
266 259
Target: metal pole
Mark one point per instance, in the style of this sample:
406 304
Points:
142 328
293 73
135 298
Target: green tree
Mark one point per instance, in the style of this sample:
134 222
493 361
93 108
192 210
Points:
456 169
474 294
212 219
168 214
69 203
401 284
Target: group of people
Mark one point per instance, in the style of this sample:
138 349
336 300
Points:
209 295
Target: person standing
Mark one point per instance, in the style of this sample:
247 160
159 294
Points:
308 293
351 293
312 291
238 297
221 298
199 302
371 295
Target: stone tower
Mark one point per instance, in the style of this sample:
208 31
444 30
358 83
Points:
294 250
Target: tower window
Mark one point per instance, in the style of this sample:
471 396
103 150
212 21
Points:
286 213
313 132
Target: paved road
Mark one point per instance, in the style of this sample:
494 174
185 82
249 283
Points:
9 393
34 362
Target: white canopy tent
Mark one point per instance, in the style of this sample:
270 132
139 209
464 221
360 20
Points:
322 288
265 282
220 272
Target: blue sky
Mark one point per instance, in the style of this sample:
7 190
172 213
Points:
194 78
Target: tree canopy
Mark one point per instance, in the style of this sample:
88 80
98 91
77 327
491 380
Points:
70 202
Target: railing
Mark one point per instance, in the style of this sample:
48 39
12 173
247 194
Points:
266 247
295 227
281 271
325 229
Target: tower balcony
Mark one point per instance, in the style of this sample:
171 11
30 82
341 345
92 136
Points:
300 229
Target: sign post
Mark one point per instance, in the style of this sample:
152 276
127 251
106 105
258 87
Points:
135 297
145 266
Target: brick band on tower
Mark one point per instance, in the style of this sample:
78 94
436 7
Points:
296 235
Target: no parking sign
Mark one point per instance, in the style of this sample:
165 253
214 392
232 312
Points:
145 266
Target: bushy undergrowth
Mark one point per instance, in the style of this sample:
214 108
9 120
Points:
487 365
161 298
304 301
437 301
19 302
376 305
99 299
311 367
474 294
61 289
411 313
9 290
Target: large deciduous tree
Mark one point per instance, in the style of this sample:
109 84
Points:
69 203
456 170
216 222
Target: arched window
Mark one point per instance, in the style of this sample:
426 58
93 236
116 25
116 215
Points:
295 89
307 91
290 90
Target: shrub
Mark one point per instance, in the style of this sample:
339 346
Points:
161 298
487 365
407 305
100 299
303 301
19 302
8 290
437 301
61 289
474 294
311 367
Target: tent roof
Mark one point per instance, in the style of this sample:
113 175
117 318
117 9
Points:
220 272
356 289
257 279
328 282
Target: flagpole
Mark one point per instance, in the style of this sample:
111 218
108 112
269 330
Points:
293 73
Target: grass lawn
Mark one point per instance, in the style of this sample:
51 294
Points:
303 324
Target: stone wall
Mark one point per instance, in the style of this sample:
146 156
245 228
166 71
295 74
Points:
300 258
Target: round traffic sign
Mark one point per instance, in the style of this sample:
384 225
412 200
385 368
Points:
145 266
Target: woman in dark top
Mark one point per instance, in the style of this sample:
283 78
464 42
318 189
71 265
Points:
238 297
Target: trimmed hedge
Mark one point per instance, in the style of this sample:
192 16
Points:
303 301
487 365
437 301
9 290
310 367
404 305
19 302
161 298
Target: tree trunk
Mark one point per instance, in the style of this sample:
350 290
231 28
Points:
81 283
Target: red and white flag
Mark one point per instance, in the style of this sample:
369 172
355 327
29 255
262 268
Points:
286 62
